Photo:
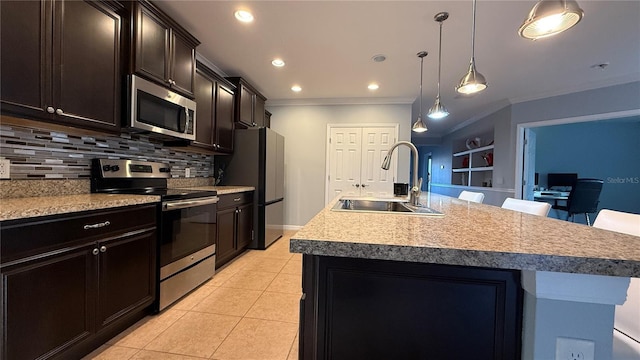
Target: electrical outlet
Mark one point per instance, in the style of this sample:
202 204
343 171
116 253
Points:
5 168
187 172
574 349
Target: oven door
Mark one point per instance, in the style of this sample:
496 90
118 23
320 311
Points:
188 233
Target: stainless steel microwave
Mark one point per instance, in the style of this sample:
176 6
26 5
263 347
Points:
158 110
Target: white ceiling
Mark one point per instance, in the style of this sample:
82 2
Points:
328 46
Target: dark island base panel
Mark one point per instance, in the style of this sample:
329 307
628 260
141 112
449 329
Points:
375 309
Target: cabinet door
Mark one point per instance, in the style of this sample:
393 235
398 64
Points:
224 119
258 111
47 306
183 64
244 226
126 276
246 106
205 93
152 46
24 64
87 64
225 248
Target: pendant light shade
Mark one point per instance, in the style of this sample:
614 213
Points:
472 82
550 17
419 126
439 111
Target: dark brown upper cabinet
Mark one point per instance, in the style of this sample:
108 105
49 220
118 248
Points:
214 122
61 62
250 104
267 119
161 50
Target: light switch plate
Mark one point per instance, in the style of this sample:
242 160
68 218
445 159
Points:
5 168
574 349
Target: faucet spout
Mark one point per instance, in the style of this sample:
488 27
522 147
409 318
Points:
417 182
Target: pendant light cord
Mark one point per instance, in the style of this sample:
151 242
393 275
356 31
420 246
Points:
439 59
473 33
421 69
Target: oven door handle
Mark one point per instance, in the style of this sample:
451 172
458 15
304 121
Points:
181 204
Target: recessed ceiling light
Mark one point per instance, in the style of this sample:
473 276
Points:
244 16
277 62
373 86
378 58
296 88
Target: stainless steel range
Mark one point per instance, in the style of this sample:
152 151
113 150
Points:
186 218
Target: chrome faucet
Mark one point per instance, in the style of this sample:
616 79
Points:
417 182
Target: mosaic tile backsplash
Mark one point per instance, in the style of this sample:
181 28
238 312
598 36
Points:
45 154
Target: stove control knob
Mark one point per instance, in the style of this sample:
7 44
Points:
115 168
106 168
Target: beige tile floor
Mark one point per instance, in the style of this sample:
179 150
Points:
248 310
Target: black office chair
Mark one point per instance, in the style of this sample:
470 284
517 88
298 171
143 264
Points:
583 198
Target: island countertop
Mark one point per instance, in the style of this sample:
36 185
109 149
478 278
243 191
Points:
470 234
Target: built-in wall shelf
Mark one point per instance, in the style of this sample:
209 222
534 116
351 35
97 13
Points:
480 149
486 168
473 167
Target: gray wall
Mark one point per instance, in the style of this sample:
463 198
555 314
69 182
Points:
607 150
304 128
505 121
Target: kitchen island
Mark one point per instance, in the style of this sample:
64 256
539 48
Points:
533 271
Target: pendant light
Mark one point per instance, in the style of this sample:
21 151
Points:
550 17
419 126
472 82
439 111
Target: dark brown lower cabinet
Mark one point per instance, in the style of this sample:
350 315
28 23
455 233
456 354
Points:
69 283
375 309
235 225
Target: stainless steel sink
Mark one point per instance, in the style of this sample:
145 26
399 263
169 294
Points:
382 205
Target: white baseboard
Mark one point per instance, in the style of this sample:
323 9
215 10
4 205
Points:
292 227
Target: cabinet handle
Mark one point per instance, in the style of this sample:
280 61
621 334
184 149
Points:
95 251
239 210
50 109
237 199
59 112
103 248
98 225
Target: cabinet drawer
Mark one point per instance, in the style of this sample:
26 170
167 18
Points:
26 238
231 200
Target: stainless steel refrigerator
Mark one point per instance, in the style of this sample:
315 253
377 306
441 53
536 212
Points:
258 161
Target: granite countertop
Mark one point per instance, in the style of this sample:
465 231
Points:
471 234
28 207
222 190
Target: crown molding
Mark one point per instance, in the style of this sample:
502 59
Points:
634 77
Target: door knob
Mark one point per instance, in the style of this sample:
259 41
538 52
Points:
357 185
363 185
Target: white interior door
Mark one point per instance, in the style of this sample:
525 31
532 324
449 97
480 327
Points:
355 157
374 181
345 146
